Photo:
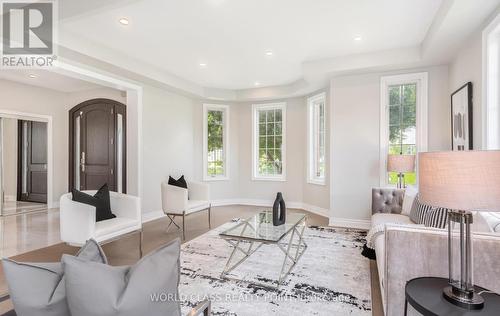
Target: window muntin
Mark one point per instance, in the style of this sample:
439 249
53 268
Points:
402 125
316 139
269 141
215 142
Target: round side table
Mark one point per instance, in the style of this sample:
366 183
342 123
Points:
425 295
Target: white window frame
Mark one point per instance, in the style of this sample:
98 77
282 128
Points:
312 131
255 141
421 80
491 81
225 140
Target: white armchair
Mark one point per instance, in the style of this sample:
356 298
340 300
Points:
78 220
178 201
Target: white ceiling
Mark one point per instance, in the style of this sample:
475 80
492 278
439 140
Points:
308 38
47 79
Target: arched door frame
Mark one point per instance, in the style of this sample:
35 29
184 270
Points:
71 154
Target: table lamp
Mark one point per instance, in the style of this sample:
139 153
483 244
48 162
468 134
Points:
401 164
461 181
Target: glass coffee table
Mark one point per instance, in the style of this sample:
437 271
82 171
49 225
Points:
249 235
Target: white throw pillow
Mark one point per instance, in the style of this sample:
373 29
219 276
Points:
493 220
410 194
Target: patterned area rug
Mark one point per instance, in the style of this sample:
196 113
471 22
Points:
331 278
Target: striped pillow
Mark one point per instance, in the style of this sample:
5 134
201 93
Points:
418 211
437 218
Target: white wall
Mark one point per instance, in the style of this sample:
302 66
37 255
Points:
76 98
226 189
295 149
240 185
9 153
355 129
167 142
35 100
467 66
313 194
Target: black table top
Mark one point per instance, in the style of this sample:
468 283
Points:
426 296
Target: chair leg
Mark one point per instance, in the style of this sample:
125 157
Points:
171 218
140 243
184 226
209 212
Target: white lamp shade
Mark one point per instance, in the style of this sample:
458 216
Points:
460 180
401 163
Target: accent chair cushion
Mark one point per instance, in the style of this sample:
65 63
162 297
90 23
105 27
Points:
196 205
39 288
100 200
181 182
96 289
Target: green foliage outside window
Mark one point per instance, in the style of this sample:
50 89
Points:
270 142
215 142
402 125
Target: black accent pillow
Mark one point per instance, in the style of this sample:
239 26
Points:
181 182
100 200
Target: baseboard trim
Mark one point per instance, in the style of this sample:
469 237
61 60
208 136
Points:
350 223
269 203
10 198
54 204
154 215
151 216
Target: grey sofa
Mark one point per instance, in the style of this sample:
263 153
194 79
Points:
405 252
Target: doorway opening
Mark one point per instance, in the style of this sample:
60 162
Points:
24 165
97 151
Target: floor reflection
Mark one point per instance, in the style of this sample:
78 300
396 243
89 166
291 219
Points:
29 231
19 207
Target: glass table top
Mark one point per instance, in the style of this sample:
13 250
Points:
260 227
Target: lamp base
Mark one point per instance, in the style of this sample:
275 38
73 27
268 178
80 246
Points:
467 300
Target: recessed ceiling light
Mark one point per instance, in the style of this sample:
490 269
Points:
123 21
32 76
257 83
358 38
269 53
203 65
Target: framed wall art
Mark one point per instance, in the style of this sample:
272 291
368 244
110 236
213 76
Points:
461 118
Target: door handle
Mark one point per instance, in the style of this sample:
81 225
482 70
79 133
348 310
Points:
82 161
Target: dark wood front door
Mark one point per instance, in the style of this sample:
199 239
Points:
32 161
97 141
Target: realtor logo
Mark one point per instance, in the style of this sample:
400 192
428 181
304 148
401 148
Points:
28 33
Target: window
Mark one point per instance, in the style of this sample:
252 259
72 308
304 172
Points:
269 125
491 86
215 142
403 122
316 139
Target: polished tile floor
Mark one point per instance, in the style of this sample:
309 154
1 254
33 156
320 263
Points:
21 207
28 231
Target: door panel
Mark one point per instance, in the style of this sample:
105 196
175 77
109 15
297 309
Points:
97 133
94 155
33 158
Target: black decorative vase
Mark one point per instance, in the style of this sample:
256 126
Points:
279 210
